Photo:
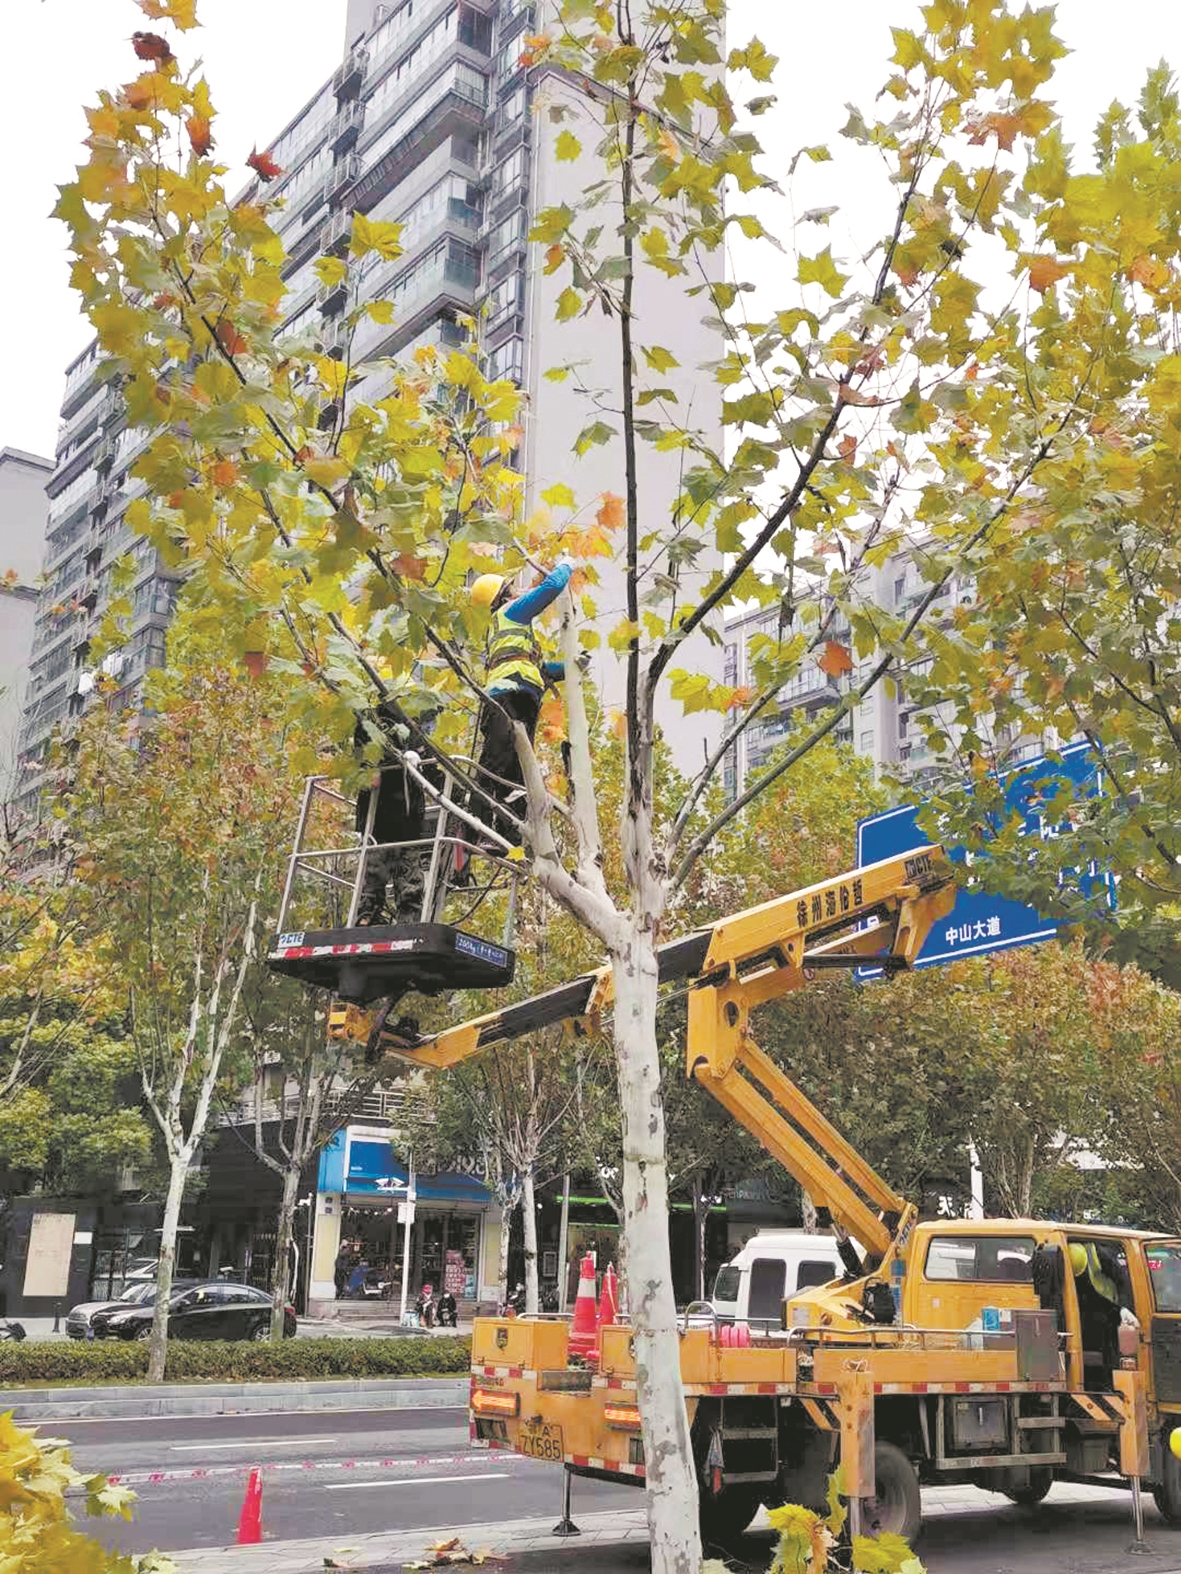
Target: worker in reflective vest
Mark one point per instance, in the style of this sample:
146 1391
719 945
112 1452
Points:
517 676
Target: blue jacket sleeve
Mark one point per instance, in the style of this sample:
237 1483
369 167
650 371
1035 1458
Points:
525 608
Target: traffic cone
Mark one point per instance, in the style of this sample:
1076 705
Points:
609 1299
608 1309
250 1520
584 1331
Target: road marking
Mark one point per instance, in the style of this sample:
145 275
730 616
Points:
277 1466
239 1415
210 1446
414 1481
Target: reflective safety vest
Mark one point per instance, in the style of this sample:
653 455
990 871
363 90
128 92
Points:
514 656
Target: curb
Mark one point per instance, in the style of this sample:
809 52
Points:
212 1399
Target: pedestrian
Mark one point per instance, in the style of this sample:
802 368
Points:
394 886
343 1263
517 677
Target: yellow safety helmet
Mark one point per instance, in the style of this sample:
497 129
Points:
486 589
1078 1258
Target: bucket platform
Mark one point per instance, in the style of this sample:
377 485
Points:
459 935
373 961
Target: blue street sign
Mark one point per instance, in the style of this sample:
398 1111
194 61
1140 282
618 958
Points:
979 922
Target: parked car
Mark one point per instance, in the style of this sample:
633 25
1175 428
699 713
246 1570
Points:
773 1266
211 1309
138 1293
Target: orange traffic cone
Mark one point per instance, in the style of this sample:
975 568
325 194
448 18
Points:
609 1299
250 1521
584 1329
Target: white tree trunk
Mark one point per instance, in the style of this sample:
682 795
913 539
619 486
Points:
281 1267
673 1530
178 1170
506 1228
529 1223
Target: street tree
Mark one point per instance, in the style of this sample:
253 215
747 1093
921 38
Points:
298 1086
874 396
183 812
1071 631
1135 1091
512 1107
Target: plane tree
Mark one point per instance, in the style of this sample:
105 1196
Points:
330 514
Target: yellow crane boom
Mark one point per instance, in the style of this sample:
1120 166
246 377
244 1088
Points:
878 915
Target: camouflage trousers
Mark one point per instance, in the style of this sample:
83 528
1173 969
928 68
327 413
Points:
395 886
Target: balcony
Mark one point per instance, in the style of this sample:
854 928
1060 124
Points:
333 337
344 176
346 128
334 234
331 298
104 455
349 76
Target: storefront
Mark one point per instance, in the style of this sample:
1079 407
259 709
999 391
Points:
359 1250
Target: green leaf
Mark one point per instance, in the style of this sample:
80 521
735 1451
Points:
660 360
591 436
823 271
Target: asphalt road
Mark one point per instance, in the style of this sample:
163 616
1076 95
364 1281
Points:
338 1475
325 1472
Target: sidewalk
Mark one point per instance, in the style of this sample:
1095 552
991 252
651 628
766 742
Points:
309 1328
618 1528
615 1528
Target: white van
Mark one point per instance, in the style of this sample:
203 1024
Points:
771 1267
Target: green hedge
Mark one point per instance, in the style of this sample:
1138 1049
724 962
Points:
113 1360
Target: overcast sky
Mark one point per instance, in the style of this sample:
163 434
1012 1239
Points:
264 58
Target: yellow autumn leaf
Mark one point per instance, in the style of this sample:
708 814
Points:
326 470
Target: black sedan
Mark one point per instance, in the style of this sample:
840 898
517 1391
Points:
140 1292
213 1309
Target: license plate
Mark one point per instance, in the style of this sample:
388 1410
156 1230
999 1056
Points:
540 1440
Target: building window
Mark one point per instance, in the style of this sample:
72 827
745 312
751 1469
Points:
507 175
510 232
730 668
865 743
508 360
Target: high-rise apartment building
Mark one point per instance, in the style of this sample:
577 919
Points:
433 121
84 538
885 726
22 541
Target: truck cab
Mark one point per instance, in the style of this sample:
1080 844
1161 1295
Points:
772 1267
1115 1297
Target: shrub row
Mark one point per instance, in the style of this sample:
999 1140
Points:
55 1361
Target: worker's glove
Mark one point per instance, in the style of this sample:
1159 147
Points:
412 758
584 661
1127 1318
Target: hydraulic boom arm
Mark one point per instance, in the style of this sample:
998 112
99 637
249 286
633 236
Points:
731 967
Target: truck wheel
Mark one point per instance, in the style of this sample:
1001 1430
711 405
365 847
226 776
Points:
1041 1479
896 1505
1167 1493
726 1516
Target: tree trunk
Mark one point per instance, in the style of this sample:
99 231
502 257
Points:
529 1223
808 1210
506 1229
281 1267
158 1343
673 1531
